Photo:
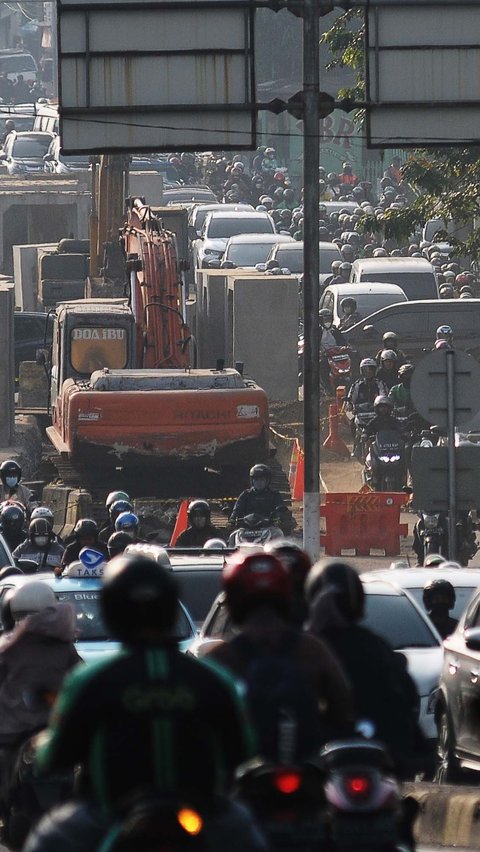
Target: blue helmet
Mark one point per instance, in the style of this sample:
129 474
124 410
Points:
117 508
127 522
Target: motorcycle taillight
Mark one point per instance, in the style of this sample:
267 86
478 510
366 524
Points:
287 782
357 786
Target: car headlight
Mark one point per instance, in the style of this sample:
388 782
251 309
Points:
213 251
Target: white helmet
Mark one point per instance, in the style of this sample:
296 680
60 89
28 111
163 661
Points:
43 512
214 544
31 597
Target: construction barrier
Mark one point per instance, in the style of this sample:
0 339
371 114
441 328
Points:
363 522
298 485
333 441
292 470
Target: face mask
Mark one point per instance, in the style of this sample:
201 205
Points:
11 481
199 523
259 484
41 540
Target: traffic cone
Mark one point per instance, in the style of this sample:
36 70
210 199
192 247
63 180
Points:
333 440
181 523
292 470
297 492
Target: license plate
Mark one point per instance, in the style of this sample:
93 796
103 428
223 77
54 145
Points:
359 831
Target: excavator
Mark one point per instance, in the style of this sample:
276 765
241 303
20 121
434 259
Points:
123 392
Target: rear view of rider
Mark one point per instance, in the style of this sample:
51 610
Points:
259 499
383 692
11 487
438 599
116 502
36 655
12 524
200 528
147 722
41 546
291 679
297 563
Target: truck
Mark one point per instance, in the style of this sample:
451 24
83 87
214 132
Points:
123 393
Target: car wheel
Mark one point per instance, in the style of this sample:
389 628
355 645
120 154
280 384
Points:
447 769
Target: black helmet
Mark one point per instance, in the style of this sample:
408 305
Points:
117 543
137 595
345 583
85 528
349 303
296 560
10 468
40 528
199 507
12 518
114 496
8 621
260 471
438 588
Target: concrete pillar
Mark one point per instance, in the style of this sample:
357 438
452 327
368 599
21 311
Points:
262 312
7 365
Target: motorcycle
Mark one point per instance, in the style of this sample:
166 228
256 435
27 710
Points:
432 531
339 367
385 466
287 802
158 824
363 803
255 529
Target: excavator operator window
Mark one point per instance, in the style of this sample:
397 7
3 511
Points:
94 348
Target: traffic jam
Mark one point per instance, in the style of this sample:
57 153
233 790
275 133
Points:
190 657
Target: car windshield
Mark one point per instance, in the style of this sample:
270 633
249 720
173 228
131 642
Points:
198 589
368 303
31 146
292 259
17 64
248 254
327 256
222 228
416 285
90 624
463 596
396 620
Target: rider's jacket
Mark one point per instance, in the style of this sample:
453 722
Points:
365 391
149 719
264 503
193 537
46 557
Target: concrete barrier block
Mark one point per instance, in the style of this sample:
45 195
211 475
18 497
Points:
32 385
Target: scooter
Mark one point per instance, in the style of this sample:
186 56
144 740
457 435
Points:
363 803
254 529
432 531
385 467
339 366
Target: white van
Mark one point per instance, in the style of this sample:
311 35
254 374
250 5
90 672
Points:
15 62
415 275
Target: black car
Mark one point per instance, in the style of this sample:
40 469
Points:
29 335
416 324
457 709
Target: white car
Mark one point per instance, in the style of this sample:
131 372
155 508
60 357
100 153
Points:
199 213
220 225
246 250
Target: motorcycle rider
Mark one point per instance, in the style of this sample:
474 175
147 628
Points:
390 341
36 655
330 336
259 499
418 546
200 528
108 526
364 391
400 394
115 509
350 313
11 487
41 546
258 593
85 534
388 370
129 523
383 692
117 543
444 332
12 524
384 419
150 721
438 599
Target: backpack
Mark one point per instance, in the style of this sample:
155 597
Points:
282 703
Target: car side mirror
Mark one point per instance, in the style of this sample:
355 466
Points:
227 264
472 638
41 357
214 264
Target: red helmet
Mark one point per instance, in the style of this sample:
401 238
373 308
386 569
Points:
253 579
441 344
280 176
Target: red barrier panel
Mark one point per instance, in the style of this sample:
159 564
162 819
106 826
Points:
363 522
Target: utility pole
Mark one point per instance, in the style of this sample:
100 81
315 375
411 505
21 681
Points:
311 290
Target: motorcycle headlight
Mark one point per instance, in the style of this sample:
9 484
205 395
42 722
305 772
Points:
387 459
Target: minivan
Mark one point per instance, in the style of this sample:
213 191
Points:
416 324
415 275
